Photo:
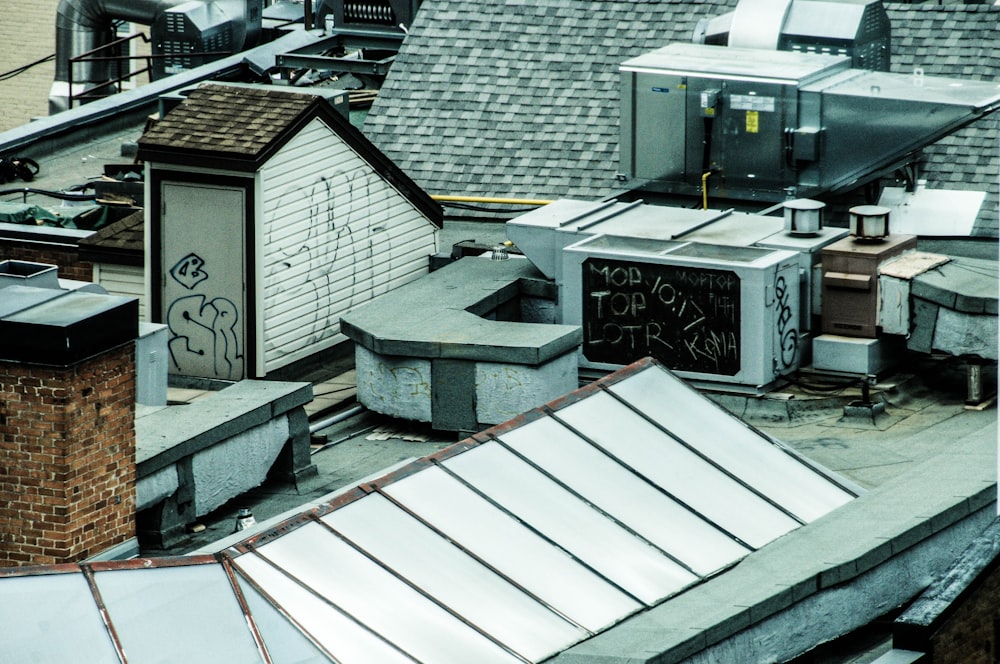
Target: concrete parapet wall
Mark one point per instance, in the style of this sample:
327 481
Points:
843 607
459 395
224 471
822 580
394 386
194 458
949 307
504 391
456 348
955 620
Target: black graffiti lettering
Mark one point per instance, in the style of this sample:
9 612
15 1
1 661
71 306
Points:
788 336
188 271
345 217
202 329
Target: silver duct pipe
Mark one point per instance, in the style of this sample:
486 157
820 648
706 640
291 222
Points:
758 23
84 25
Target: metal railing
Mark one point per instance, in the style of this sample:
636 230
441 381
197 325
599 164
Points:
96 55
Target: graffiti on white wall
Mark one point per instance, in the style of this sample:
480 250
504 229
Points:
334 264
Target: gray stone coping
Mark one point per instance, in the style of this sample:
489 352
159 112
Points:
938 601
968 285
833 551
166 435
440 316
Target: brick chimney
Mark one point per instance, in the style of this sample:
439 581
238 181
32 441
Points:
67 406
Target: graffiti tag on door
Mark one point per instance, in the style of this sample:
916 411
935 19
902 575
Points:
203 329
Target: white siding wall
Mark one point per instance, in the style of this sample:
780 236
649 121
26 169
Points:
125 280
335 235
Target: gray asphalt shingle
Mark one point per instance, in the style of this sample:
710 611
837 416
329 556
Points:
480 91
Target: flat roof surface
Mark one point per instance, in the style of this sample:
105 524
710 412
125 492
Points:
929 456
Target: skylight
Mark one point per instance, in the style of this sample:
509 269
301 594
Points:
508 547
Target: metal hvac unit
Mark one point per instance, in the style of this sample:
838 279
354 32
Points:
368 14
194 33
858 29
763 125
710 313
184 35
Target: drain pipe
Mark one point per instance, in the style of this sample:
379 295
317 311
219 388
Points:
335 419
85 25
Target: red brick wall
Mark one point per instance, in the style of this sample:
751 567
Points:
67 458
969 636
66 259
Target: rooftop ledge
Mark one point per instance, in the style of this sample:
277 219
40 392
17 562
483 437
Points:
444 315
194 458
167 434
824 579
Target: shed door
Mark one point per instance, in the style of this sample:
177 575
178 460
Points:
204 276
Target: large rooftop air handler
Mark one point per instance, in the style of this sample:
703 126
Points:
756 124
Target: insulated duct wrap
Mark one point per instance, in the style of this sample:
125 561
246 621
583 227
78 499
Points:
758 23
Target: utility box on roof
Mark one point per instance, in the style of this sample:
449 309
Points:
688 109
709 313
850 283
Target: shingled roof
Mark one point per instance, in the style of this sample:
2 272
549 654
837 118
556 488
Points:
520 97
227 120
118 242
239 128
960 41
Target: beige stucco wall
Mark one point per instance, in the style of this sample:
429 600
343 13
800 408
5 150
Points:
27 33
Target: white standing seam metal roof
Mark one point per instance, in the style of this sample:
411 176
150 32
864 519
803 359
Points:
510 546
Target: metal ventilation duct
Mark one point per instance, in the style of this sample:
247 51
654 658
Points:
367 14
85 25
858 29
758 23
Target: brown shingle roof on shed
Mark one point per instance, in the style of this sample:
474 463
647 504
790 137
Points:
125 234
119 242
238 128
228 119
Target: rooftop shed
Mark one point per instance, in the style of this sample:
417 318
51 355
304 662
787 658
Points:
269 216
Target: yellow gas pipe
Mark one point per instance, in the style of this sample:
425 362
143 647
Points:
485 199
